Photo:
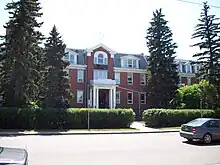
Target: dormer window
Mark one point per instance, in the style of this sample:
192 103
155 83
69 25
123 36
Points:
100 58
71 57
130 63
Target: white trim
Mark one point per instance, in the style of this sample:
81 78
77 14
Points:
118 101
78 80
112 52
145 98
131 99
130 57
79 102
119 76
82 67
131 78
105 56
144 79
133 70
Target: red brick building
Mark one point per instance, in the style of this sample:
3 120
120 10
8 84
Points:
103 78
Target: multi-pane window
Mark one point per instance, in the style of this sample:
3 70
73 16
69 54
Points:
130 78
130 98
79 96
130 63
118 97
142 78
67 73
117 78
188 68
101 59
100 74
143 98
80 75
70 57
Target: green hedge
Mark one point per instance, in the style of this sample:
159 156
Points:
172 118
16 118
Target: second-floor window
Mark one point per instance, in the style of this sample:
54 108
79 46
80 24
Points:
117 78
142 78
130 78
100 74
184 68
80 75
101 59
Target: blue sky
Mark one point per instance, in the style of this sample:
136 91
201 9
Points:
119 24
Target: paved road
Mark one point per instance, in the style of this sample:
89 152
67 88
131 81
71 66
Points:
136 149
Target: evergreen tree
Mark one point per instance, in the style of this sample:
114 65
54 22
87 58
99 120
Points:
57 89
21 54
162 72
208 32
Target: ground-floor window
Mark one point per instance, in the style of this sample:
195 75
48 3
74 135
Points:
118 97
79 96
143 98
130 98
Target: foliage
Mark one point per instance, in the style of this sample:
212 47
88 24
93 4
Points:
172 117
56 85
21 55
163 80
49 118
202 95
208 33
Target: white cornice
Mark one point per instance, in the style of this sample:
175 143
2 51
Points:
83 67
117 69
112 52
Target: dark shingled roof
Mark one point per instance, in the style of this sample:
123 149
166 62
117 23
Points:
117 60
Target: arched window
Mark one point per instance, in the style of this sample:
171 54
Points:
100 58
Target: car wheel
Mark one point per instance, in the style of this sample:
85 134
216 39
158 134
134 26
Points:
207 138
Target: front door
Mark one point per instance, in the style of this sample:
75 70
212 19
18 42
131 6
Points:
102 99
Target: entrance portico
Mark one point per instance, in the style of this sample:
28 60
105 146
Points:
96 93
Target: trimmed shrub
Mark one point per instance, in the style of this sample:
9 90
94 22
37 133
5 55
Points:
171 117
16 118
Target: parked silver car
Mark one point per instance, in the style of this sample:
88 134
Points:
15 156
203 129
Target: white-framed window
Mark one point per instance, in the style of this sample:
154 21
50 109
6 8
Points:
79 96
80 76
117 78
100 74
118 97
71 58
143 98
130 78
188 68
142 78
130 97
130 63
101 58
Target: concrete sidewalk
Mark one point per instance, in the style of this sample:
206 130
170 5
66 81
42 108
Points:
138 127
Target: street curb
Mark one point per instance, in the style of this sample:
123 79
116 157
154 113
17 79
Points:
81 133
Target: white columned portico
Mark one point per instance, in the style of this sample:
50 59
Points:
97 97
94 97
110 98
114 97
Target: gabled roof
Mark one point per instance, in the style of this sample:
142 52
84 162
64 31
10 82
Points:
103 46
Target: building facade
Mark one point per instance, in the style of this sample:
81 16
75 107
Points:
103 78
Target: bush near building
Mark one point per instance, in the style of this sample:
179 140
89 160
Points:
72 118
173 118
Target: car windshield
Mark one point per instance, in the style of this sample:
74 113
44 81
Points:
197 122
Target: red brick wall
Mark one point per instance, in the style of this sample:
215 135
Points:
136 86
76 86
